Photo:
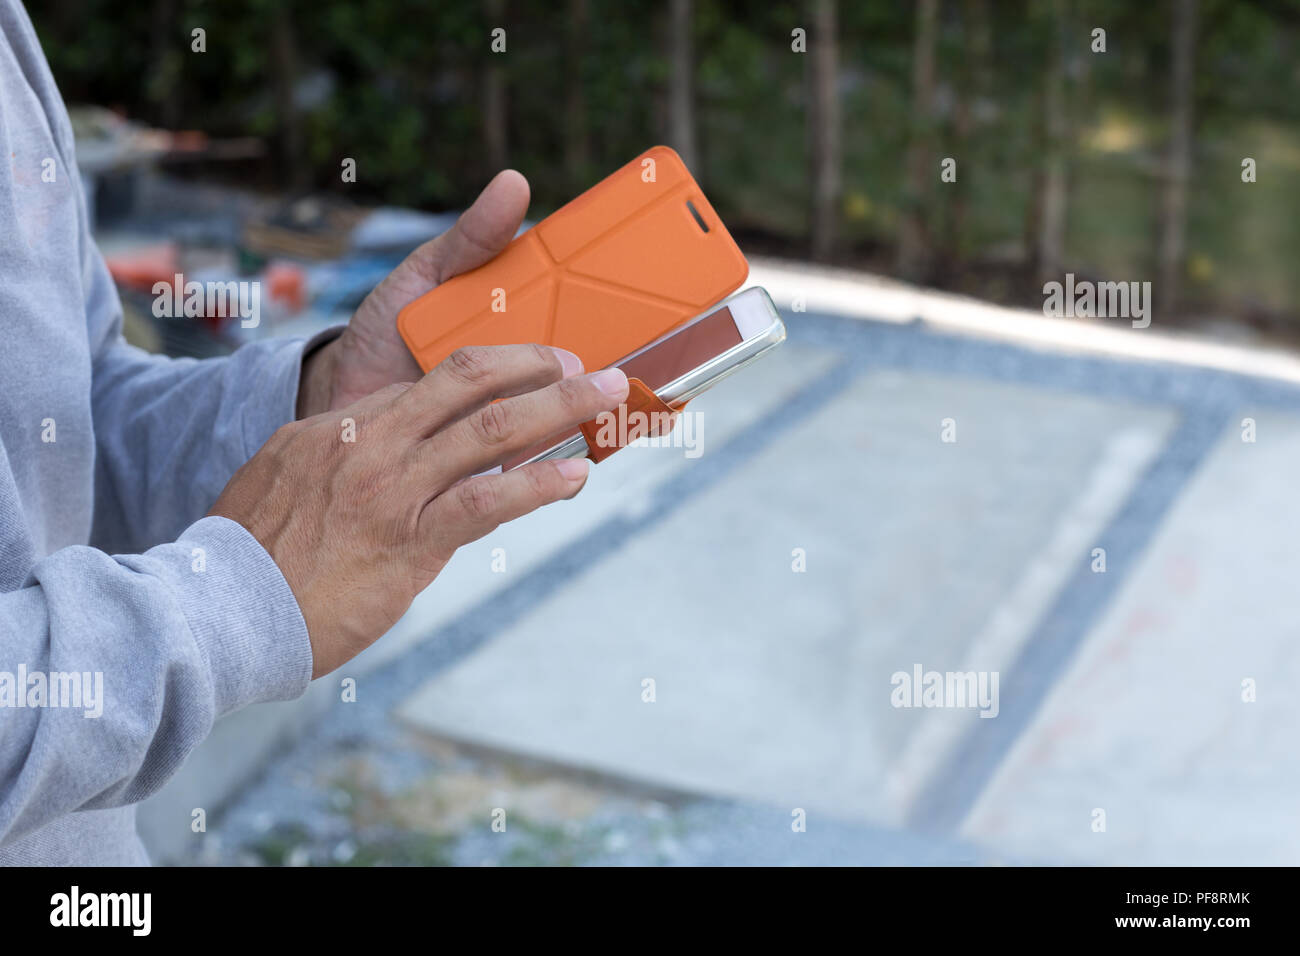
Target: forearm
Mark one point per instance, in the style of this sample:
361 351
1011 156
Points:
169 433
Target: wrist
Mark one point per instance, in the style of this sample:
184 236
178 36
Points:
316 382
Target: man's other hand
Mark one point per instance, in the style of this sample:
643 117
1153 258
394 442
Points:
370 354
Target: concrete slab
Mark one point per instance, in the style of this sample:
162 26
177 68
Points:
1149 723
774 685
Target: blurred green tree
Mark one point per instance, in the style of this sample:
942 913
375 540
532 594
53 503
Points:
1067 158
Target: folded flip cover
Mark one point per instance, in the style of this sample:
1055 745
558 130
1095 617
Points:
631 258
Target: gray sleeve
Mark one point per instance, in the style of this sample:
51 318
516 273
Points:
115 667
169 432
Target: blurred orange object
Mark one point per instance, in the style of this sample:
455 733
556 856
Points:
287 283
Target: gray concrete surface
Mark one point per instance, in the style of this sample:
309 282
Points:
1119 690
774 685
1150 723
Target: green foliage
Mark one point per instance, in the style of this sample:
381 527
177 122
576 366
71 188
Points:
405 80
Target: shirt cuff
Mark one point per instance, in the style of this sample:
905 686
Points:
242 613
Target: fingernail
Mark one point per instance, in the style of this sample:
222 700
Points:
571 469
572 364
611 381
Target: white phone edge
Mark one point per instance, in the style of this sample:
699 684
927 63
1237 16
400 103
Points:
755 301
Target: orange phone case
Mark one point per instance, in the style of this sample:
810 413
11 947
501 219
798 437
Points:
602 276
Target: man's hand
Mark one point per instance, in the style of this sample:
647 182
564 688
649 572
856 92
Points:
370 354
360 527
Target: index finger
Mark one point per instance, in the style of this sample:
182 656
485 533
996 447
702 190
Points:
471 377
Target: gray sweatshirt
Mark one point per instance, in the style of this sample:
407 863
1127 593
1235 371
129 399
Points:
109 573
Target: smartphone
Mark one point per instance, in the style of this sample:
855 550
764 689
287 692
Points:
690 359
633 257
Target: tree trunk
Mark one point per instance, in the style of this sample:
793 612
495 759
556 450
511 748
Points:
170 44
284 71
681 85
577 146
1178 163
913 245
977 41
1050 247
824 130
494 95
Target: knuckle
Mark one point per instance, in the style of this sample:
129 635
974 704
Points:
478 499
381 410
493 423
538 481
470 364
545 356
574 394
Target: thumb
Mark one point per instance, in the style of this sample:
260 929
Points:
482 230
